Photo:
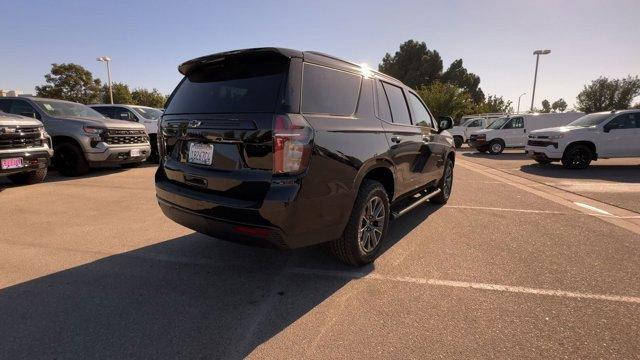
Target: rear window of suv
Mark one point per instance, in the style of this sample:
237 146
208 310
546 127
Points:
328 91
245 84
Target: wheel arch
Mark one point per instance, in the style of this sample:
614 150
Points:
586 143
381 170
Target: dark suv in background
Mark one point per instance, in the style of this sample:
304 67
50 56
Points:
298 148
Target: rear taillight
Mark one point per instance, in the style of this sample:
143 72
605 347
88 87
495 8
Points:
292 137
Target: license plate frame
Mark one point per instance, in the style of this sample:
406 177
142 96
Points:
12 163
200 153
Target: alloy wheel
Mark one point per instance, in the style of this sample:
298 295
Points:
372 223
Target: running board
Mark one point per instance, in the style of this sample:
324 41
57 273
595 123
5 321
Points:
397 214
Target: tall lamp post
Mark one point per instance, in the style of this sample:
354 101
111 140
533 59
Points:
107 60
537 53
521 95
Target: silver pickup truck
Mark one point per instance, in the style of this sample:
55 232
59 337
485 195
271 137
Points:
82 137
25 149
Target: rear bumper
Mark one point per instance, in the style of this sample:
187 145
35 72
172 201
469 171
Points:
33 159
279 220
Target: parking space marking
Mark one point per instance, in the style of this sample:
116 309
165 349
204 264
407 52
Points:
511 210
466 284
593 208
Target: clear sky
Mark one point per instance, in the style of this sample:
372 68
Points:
148 39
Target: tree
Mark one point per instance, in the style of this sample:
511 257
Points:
121 94
457 75
70 82
446 100
546 106
604 94
494 104
414 64
559 105
151 98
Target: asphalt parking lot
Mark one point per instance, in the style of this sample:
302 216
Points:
523 261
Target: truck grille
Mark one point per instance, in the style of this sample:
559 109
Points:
125 136
18 137
541 143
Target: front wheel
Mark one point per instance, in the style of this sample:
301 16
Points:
457 140
496 147
28 178
577 157
367 227
69 159
445 184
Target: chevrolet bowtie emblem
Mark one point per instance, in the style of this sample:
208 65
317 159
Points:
195 123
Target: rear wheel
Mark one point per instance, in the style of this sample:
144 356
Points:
28 178
69 159
457 140
445 185
496 147
577 157
367 227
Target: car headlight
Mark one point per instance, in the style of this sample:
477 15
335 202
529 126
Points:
556 137
92 130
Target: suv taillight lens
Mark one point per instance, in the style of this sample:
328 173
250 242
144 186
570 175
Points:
292 137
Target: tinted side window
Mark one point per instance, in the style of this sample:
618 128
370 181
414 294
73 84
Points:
104 110
328 91
5 105
624 121
475 123
20 106
121 113
383 103
399 110
420 112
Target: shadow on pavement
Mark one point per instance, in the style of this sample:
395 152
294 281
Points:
189 297
503 156
613 173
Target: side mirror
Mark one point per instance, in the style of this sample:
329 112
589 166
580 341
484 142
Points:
444 123
30 114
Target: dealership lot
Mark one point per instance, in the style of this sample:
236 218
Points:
512 266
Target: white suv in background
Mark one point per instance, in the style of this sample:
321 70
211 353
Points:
144 115
610 134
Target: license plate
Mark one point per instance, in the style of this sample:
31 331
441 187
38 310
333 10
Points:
200 153
134 153
11 163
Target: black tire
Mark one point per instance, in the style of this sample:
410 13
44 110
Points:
357 247
131 165
445 184
543 162
577 157
457 140
496 147
69 159
29 178
153 141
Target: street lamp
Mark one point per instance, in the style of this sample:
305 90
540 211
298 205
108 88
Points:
521 95
537 53
107 60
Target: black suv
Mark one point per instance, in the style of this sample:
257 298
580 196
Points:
298 148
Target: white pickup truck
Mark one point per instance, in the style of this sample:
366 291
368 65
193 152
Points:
610 134
461 132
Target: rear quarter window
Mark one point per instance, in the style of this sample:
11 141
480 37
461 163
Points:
329 91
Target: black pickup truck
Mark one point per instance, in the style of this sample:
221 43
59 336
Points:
25 149
298 148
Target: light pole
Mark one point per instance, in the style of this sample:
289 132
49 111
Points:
521 95
107 60
537 53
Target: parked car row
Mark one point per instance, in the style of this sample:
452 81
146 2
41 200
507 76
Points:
35 132
572 138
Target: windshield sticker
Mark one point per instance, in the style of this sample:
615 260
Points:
48 107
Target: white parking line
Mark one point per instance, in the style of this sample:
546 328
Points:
593 208
508 209
465 284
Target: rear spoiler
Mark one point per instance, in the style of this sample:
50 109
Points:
188 66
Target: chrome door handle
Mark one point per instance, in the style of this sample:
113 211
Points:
396 139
